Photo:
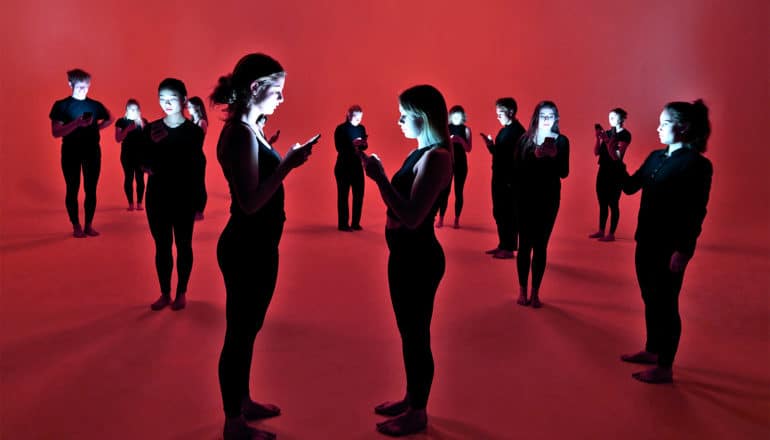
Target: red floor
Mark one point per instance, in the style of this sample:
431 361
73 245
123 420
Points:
83 357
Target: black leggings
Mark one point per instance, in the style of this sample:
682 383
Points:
459 177
73 159
608 188
660 292
248 259
349 175
504 210
132 171
415 267
538 215
171 224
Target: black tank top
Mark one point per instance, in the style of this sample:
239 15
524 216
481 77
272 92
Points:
271 212
402 182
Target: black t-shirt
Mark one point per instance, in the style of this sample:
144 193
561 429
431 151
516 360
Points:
69 109
604 157
132 143
504 149
177 164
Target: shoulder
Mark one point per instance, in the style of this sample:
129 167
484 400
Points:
562 140
235 134
437 157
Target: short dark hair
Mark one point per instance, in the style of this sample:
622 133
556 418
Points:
78 75
621 113
508 103
175 85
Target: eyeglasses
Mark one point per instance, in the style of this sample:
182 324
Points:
547 117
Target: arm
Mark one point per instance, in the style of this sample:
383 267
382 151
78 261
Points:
60 129
107 119
489 143
695 197
433 175
469 136
340 139
204 125
122 132
459 140
633 183
199 162
562 156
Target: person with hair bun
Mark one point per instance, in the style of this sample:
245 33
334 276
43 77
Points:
675 183
128 131
247 251
416 261
349 139
174 160
611 148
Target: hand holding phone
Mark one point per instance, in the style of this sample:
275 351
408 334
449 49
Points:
487 138
310 142
86 119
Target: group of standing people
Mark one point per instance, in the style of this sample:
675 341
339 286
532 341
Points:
528 165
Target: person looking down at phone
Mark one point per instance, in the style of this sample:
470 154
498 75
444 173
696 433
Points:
462 142
503 177
350 138
542 160
174 160
78 119
247 251
128 131
416 261
198 116
611 148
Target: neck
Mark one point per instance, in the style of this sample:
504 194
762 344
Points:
674 147
174 119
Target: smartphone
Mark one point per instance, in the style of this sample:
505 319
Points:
486 136
311 141
87 115
549 141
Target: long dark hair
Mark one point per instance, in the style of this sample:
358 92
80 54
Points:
197 102
692 122
234 89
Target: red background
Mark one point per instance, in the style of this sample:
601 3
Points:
67 306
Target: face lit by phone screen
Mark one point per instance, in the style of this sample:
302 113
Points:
546 118
80 89
411 124
132 112
355 118
170 101
667 129
614 120
269 96
456 118
503 116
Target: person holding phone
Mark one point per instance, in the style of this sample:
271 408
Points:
349 139
504 208
128 131
542 161
78 119
462 143
174 160
247 251
197 112
611 148
675 184
416 261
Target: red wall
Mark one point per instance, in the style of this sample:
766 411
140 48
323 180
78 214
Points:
587 56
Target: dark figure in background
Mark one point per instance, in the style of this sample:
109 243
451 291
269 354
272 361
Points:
77 119
173 158
247 251
462 143
128 131
675 184
504 191
197 112
611 148
349 139
542 160
416 262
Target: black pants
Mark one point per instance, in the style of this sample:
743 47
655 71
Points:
505 213
415 267
660 292
171 223
460 174
75 158
608 188
132 171
248 259
538 215
349 174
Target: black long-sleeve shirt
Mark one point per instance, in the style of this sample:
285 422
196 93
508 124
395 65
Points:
176 163
675 192
541 176
344 135
504 149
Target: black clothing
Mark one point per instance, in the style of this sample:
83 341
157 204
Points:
609 181
349 172
415 267
80 151
459 173
131 160
247 253
173 196
504 185
538 202
675 192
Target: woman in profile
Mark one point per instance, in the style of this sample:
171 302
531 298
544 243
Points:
611 148
128 131
675 183
247 251
542 160
462 143
416 262
197 112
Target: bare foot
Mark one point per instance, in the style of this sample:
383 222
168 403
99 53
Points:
655 375
411 422
237 429
642 357
392 408
252 410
